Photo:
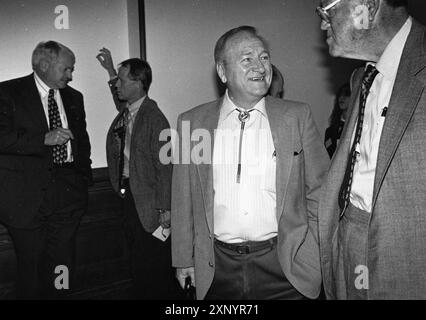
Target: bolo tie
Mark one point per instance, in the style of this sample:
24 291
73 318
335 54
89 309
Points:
243 116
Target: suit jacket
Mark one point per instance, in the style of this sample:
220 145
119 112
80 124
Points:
150 180
301 166
396 241
25 162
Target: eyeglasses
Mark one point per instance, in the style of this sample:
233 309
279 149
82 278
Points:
322 11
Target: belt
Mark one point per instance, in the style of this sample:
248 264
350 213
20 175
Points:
248 246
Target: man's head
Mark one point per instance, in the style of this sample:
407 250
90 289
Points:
361 29
134 79
243 65
53 63
277 85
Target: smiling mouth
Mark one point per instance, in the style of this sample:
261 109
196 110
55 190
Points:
257 78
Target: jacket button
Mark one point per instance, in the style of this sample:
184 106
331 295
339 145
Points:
211 264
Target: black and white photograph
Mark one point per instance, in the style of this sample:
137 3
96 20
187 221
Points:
212 155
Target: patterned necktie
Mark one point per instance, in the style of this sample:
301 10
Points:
345 190
120 130
60 153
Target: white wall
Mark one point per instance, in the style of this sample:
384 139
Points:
181 35
93 24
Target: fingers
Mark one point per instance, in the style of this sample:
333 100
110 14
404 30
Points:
65 133
61 136
183 273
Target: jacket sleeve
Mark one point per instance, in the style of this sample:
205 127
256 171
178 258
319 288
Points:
182 216
84 147
316 167
163 171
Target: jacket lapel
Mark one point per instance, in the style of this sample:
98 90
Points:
282 136
205 171
328 204
407 91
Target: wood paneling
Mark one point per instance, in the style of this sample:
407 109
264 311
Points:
102 259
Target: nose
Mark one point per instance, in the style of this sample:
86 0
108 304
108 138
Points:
118 84
259 66
324 25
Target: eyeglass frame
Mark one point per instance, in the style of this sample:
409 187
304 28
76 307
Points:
322 11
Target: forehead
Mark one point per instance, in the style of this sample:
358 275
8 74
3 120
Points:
244 41
123 72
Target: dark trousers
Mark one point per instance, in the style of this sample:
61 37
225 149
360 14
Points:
249 276
150 259
49 241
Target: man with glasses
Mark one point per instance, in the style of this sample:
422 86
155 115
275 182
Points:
138 176
372 215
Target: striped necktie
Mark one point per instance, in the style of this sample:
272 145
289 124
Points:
345 190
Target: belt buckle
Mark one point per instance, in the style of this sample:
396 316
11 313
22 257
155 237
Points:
243 249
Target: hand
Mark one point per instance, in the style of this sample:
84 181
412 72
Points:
58 137
164 219
183 273
105 59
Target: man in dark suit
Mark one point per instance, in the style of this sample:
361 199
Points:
139 177
372 215
44 168
244 216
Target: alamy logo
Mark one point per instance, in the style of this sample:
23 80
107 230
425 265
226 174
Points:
361 281
62 21
62 281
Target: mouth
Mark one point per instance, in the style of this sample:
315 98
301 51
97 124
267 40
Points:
257 78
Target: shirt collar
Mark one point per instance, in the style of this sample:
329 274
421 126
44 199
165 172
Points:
228 107
42 87
389 61
134 107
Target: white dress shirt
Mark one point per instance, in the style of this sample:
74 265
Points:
378 99
133 111
246 210
43 90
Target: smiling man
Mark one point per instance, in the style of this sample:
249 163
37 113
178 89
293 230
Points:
44 168
244 223
372 213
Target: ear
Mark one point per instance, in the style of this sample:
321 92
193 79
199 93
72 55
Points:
220 69
373 7
44 65
365 13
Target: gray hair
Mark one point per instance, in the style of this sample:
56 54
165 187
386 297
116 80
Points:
49 51
220 47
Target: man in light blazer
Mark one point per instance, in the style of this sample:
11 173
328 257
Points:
375 246
244 220
138 176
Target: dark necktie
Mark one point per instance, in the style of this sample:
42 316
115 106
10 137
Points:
59 152
243 116
120 131
345 190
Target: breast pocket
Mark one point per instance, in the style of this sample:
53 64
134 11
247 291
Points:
269 176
